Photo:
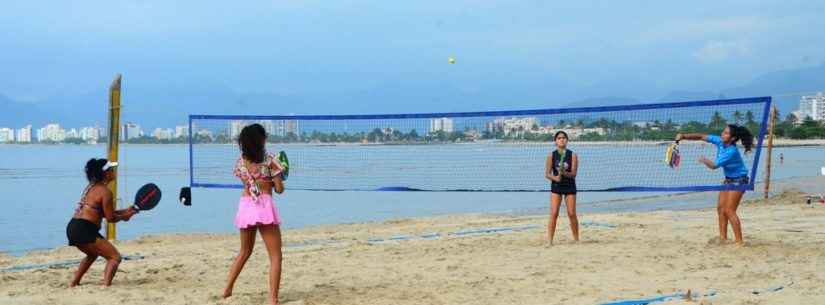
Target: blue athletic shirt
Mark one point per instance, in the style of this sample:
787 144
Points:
728 158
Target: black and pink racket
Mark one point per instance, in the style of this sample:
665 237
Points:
147 197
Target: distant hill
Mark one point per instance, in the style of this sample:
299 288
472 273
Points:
168 105
680 96
603 101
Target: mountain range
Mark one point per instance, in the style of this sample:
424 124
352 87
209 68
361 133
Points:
170 105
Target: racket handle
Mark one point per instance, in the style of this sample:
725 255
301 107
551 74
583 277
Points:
135 208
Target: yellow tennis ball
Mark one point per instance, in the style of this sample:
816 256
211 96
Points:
451 60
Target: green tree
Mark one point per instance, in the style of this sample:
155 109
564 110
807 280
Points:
737 117
751 123
717 122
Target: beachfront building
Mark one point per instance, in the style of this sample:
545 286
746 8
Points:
163 133
280 128
287 127
575 133
131 131
291 126
51 133
24 135
72 134
517 126
181 131
6 135
269 126
812 106
441 124
204 133
572 132
90 134
235 127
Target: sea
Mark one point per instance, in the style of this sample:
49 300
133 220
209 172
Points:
41 184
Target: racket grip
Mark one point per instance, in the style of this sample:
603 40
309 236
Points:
135 208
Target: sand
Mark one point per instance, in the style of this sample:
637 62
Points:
621 256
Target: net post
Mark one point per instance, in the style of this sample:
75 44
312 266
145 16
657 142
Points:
114 141
191 162
770 154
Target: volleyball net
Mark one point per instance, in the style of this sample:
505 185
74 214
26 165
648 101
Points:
619 148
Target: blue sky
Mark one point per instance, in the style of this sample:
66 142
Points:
517 53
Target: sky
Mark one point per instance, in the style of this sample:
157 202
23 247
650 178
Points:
392 56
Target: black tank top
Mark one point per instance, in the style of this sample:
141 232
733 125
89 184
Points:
567 184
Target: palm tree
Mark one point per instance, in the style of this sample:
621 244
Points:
737 117
717 122
791 118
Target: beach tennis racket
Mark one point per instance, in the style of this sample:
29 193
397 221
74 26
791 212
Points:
284 161
672 156
147 197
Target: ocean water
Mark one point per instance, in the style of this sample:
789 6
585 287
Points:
41 184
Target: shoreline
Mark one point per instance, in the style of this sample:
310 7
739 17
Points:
497 258
642 203
779 142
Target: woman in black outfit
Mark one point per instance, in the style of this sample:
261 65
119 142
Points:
561 168
83 230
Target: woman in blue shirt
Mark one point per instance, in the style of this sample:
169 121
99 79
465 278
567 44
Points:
730 160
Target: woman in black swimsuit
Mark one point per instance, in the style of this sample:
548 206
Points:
96 203
561 169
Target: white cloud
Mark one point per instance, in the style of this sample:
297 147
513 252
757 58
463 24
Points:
716 51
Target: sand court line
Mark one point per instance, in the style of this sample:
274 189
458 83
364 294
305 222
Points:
61 264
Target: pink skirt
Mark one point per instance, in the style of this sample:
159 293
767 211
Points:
252 213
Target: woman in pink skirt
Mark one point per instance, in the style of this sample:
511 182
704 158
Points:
260 174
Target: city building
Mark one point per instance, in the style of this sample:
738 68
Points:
205 133
131 131
812 106
163 133
51 133
24 135
512 125
6 135
72 134
90 134
290 126
181 131
236 126
441 124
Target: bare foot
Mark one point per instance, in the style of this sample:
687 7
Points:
73 284
688 296
226 294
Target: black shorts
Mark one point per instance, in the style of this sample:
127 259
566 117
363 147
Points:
563 188
736 181
81 232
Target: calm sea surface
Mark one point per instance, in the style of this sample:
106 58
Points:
40 185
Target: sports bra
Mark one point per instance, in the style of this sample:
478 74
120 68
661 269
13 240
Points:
81 203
